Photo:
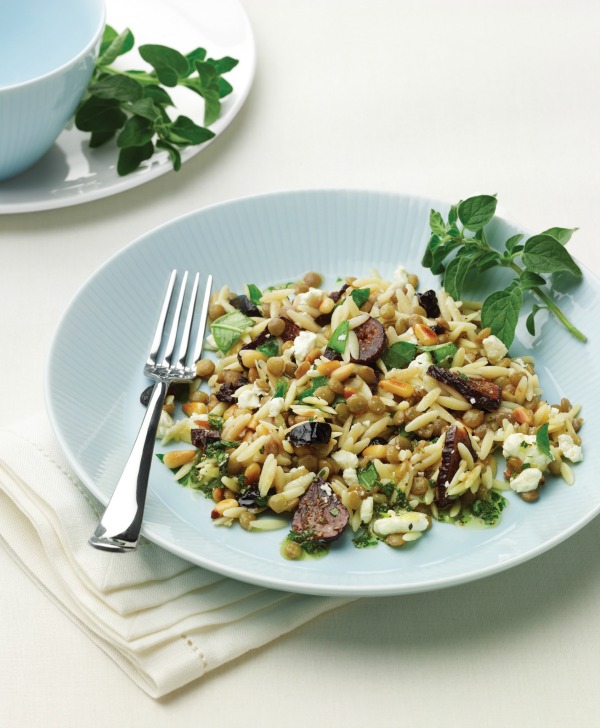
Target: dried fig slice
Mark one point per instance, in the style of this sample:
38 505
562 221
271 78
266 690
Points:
321 515
202 437
450 461
428 300
481 393
371 341
291 330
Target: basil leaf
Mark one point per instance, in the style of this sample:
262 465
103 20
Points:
500 311
475 212
360 296
368 476
228 329
544 254
269 348
282 387
339 338
316 383
254 293
563 235
399 355
542 440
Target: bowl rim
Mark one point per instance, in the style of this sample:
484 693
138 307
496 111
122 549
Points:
71 62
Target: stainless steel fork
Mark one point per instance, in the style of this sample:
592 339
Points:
119 529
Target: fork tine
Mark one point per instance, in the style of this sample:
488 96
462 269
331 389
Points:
185 337
168 355
158 334
203 318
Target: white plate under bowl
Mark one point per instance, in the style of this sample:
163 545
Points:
71 173
95 411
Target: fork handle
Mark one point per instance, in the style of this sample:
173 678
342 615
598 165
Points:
119 529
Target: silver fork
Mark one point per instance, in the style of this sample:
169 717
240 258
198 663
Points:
119 528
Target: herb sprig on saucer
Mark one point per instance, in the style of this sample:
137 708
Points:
132 105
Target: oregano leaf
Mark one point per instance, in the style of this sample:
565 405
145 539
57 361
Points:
500 312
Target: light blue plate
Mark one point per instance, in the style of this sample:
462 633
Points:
95 410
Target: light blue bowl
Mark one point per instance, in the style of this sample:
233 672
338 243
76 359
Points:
47 55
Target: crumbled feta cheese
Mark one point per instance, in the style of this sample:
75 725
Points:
276 406
525 448
366 510
569 449
313 297
494 349
248 397
303 344
422 361
345 459
326 488
526 480
401 523
350 476
401 276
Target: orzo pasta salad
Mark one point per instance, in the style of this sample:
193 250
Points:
372 409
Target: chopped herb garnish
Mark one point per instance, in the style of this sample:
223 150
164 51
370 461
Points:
542 440
360 296
228 329
339 338
254 293
363 539
399 355
215 422
270 348
368 477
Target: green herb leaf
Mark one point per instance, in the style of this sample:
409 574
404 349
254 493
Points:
544 254
542 440
170 65
360 296
215 422
130 158
338 339
282 387
563 235
316 383
500 311
228 329
254 293
96 114
368 476
183 131
513 242
456 272
476 212
136 132
530 321
399 355
436 223
120 87
529 279
117 45
269 348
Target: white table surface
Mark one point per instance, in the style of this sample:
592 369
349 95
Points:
446 99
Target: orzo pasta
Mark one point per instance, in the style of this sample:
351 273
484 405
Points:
372 409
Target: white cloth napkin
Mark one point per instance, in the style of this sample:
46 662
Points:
164 621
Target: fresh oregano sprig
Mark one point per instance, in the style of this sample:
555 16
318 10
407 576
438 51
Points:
132 105
458 249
